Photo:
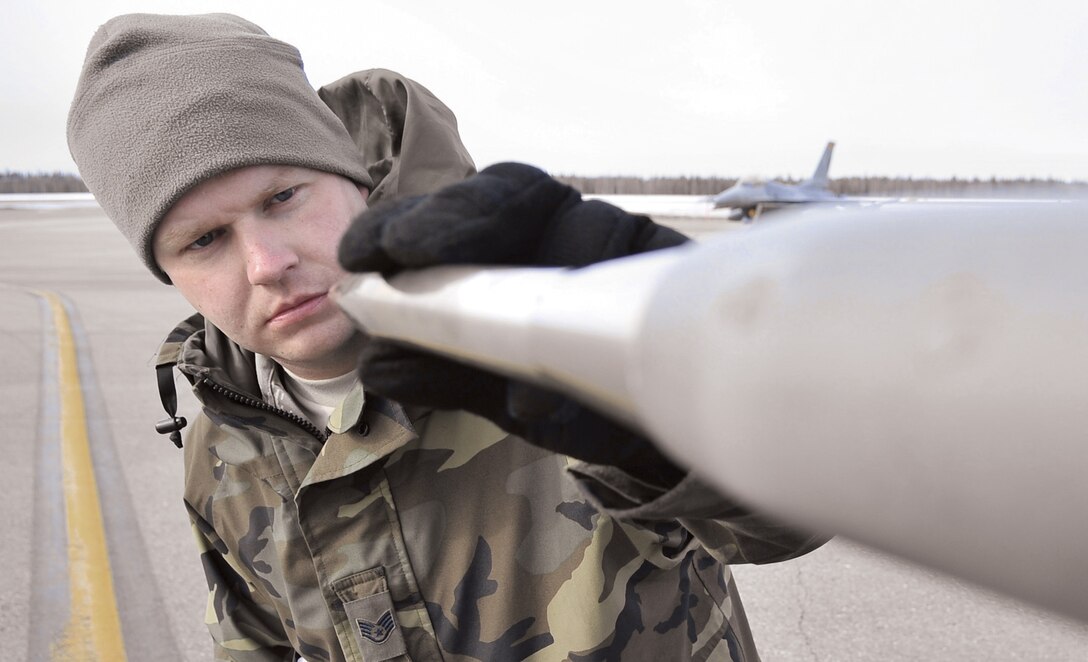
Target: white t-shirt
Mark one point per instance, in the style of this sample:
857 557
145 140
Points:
313 399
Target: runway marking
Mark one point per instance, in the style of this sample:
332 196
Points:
93 629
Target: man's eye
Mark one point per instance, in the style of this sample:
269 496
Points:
204 240
284 195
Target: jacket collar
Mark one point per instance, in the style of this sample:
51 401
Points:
362 430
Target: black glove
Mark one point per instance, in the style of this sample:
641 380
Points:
509 214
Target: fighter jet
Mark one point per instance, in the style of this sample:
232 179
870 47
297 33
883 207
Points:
750 197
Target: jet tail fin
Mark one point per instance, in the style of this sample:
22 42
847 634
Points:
819 178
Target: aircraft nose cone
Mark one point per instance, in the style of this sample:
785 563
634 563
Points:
723 200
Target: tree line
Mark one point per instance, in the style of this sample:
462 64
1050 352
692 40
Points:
40 182
957 188
854 186
61 182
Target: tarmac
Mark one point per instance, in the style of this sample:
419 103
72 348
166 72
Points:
69 269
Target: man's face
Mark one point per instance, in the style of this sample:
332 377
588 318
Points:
254 251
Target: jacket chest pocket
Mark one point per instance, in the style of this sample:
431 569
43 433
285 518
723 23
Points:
371 617
377 628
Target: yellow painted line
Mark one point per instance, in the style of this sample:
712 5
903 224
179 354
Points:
93 632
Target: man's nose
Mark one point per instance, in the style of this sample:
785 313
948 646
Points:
268 258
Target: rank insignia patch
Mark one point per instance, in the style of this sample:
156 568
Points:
377 632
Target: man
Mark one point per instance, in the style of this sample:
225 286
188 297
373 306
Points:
335 523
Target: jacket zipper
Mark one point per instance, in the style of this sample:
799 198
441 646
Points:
243 399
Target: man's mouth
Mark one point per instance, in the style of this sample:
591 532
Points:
297 309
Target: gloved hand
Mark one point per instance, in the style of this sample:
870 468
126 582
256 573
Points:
508 214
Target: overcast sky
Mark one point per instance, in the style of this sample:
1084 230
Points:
927 88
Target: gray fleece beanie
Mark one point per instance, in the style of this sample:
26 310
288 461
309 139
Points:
166 102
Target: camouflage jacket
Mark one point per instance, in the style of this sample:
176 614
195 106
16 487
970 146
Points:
434 535
422 535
